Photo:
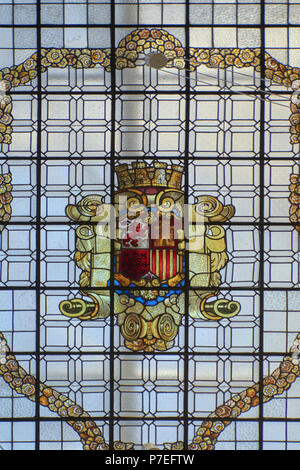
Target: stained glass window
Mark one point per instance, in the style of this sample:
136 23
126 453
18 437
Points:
115 335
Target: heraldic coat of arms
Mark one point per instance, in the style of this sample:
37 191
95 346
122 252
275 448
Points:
143 238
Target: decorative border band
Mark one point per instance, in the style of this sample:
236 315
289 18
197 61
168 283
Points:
126 55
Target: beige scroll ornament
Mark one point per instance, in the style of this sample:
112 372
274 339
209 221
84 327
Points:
207 256
93 257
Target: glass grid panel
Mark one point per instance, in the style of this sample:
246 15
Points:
71 128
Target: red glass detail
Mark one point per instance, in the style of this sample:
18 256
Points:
175 267
168 264
134 263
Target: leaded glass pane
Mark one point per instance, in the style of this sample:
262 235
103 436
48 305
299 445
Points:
137 338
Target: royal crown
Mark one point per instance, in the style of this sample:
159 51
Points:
142 175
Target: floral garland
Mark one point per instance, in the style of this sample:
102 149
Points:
25 384
141 40
5 119
126 55
295 201
240 58
5 197
278 382
206 435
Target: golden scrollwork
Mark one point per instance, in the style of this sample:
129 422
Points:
93 257
207 256
147 328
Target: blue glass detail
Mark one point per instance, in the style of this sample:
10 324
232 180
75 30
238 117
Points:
145 301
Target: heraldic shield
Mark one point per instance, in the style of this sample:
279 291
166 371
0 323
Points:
155 264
